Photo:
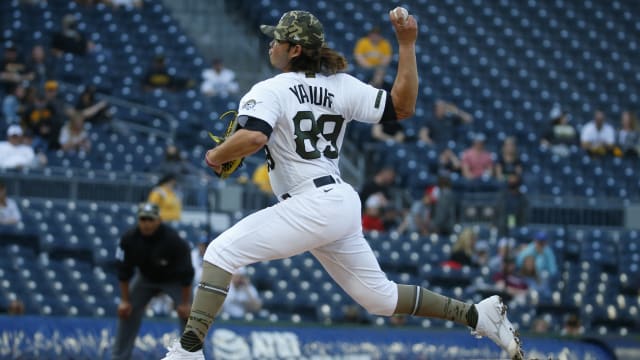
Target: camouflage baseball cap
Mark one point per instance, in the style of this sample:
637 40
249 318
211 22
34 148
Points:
298 27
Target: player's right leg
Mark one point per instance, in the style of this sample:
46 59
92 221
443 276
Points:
288 228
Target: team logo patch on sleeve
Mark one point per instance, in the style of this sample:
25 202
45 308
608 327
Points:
250 104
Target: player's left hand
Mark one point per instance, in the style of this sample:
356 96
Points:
216 168
183 310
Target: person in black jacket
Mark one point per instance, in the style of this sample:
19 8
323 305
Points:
163 263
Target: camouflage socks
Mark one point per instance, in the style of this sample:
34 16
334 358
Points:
418 301
210 295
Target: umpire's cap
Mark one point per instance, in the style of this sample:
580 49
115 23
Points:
148 210
297 27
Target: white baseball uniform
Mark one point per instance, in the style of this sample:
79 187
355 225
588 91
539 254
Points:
317 211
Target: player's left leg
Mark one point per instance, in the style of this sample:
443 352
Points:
352 264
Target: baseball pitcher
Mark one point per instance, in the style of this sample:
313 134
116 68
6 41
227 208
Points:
299 117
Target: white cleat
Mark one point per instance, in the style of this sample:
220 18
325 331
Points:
176 352
493 323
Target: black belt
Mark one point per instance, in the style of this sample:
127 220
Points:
318 182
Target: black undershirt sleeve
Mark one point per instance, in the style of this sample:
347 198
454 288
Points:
389 113
256 124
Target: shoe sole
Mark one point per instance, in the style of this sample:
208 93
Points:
516 334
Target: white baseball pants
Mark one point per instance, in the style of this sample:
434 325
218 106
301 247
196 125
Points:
325 221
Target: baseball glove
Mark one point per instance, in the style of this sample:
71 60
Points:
229 167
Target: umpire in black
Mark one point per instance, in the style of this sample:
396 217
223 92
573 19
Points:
163 262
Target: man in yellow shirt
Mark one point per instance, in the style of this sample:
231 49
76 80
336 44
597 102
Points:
165 195
373 50
260 178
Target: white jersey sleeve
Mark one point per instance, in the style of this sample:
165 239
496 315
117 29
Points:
259 103
366 102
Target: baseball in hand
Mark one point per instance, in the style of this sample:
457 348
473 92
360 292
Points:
399 13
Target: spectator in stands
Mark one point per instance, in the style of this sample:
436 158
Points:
9 211
388 132
93 111
13 69
628 136
69 39
572 325
218 80
382 182
512 206
16 307
197 257
354 314
13 153
158 77
260 178
74 136
543 259
444 207
509 160
418 219
448 162
541 325
598 137
152 258
40 65
463 250
242 297
42 123
509 281
166 196
447 120
535 280
54 100
186 173
372 218
373 51
379 80
505 250
560 135
482 253
12 104
477 162
174 163
125 3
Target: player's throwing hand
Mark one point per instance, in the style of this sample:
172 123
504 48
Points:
406 29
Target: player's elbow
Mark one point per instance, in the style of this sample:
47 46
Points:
402 114
257 139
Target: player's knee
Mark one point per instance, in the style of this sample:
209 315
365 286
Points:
380 308
382 301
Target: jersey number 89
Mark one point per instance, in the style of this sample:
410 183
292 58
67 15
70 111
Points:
327 125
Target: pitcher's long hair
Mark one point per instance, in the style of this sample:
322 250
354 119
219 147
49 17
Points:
323 60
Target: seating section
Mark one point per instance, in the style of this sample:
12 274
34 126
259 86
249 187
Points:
61 259
507 64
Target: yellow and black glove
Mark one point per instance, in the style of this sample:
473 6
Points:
229 167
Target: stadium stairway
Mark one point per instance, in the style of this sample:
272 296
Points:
219 34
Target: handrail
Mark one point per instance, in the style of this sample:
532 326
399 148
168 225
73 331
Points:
171 121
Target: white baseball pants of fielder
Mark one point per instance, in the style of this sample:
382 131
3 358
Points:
325 221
